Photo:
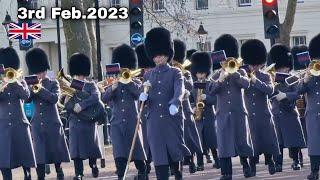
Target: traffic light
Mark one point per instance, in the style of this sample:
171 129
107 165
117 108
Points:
136 21
25 44
24 3
271 19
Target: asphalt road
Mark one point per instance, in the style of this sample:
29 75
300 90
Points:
208 174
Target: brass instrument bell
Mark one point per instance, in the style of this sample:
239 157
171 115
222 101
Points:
231 65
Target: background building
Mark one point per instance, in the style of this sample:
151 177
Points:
242 18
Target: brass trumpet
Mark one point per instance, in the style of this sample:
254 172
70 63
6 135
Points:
313 69
183 66
12 75
126 75
231 65
37 87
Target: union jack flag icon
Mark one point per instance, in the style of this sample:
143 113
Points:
24 31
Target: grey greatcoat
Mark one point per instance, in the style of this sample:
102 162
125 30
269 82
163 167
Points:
16 147
286 118
124 118
47 130
165 132
83 136
262 128
312 91
206 125
233 133
191 135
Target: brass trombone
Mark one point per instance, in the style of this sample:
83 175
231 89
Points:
65 84
183 66
313 69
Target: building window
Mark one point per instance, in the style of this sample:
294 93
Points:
158 5
206 46
202 4
298 40
244 3
115 3
34 4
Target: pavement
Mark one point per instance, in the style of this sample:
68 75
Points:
208 174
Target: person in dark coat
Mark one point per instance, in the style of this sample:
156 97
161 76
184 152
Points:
164 100
47 129
83 135
299 67
123 97
191 135
16 148
201 69
145 64
284 109
262 128
311 87
233 133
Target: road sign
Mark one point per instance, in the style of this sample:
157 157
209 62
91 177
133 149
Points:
25 44
136 38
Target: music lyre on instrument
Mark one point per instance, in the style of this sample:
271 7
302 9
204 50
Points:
147 87
313 69
200 86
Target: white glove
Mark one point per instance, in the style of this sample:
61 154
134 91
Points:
77 108
173 110
143 97
307 77
222 76
253 78
203 97
114 86
281 96
147 83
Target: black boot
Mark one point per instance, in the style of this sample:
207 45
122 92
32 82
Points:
296 165
216 163
78 166
192 168
27 173
59 171
200 164
272 168
178 175
209 159
252 162
313 176
278 167
103 163
6 174
78 177
245 167
148 167
226 177
95 172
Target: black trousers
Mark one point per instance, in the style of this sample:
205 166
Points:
7 173
226 166
78 165
315 163
121 164
41 169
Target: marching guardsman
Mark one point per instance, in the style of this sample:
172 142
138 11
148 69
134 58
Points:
233 134
310 86
164 100
191 135
203 106
49 141
299 65
284 109
83 135
16 149
262 128
124 96
145 64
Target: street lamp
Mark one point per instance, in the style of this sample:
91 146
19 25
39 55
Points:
5 23
202 36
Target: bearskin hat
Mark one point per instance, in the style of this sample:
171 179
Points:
9 58
143 61
227 43
201 62
180 50
158 42
37 61
281 55
314 47
190 52
254 52
79 64
125 56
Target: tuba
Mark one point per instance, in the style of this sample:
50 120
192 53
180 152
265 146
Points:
199 106
65 83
